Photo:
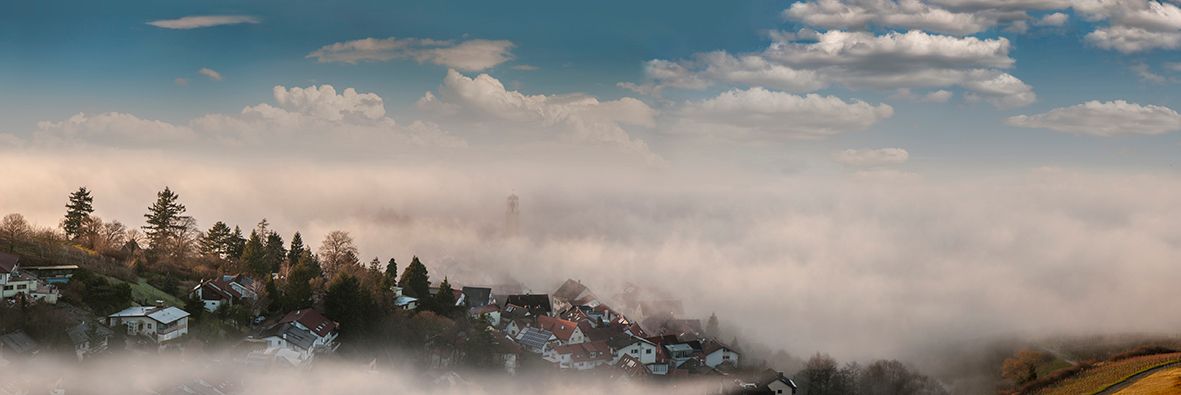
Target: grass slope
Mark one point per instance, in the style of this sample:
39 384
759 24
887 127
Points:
1105 374
142 292
1164 382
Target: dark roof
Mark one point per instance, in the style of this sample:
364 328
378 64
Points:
8 262
536 303
19 342
569 290
477 296
766 377
535 338
293 334
80 334
311 319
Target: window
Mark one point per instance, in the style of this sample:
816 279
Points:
635 351
21 286
7 287
648 351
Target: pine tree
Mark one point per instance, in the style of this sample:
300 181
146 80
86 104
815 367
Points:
711 326
217 240
445 298
78 210
275 253
296 250
416 281
347 302
165 220
236 244
254 256
391 273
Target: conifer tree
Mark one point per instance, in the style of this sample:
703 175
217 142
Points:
236 244
445 298
296 250
391 273
254 256
217 240
165 220
78 210
275 253
415 280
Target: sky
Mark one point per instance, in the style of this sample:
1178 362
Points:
862 169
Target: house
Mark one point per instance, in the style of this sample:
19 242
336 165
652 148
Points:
158 323
489 313
474 297
89 338
638 348
630 369
225 290
15 281
298 337
567 332
402 301
766 382
18 344
536 340
514 326
715 354
581 356
507 351
535 304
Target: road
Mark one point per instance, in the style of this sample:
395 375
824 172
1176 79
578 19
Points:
1132 380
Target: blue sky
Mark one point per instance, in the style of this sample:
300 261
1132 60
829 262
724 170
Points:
66 57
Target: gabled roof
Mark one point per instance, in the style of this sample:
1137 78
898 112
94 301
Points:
311 319
569 290
535 338
769 376
8 262
562 329
294 335
631 366
591 351
477 296
536 303
18 342
80 334
711 346
168 315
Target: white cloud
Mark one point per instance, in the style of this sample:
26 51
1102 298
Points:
314 118
211 73
484 100
1146 74
470 55
200 21
1054 19
938 96
757 113
872 157
807 61
1134 25
1106 119
906 14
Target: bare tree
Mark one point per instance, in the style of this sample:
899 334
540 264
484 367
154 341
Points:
14 228
336 252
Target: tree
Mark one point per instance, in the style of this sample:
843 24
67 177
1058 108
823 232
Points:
165 220
236 244
276 254
296 249
711 326
445 298
391 274
822 376
336 252
15 229
298 292
254 256
217 240
416 281
1022 368
349 304
77 211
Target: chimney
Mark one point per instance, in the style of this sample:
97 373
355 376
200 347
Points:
160 303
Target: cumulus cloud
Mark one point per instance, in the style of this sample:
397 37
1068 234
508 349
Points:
938 96
906 14
807 61
1054 19
483 99
1133 25
760 113
470 55
210 73
1105 119
315 117
200 21
871 157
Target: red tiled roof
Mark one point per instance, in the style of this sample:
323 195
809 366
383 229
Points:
581 352
312 319
562 329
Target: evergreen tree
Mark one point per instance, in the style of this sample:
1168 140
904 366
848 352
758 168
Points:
165 220
296 250
445 298
236 244
254 256
375 264
77 212
349 304
391 273
275 252
711 326
415 280
298 292
217 240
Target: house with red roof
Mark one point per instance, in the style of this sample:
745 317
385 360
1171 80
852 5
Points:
566 331
225 290
296 338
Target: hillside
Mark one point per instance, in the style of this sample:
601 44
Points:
1104 374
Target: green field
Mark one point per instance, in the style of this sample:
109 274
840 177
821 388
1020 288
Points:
141 291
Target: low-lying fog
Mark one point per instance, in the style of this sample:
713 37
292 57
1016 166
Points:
858 264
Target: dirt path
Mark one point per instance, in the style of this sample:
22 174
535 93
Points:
1132 380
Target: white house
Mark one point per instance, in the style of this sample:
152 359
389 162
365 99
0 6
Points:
225 290
581 356
567 332
716 354
402 301
640 349
298 337
160 324
14 281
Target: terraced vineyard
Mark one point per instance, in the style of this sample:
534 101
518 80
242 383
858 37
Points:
1107 373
